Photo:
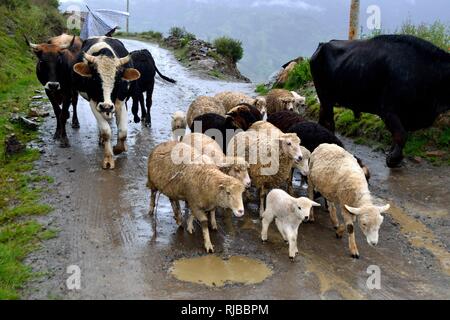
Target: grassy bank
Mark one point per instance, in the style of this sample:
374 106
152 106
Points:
431 144
20 187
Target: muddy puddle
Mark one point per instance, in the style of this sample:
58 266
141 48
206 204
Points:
213 271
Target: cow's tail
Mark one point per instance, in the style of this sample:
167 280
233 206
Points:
164 77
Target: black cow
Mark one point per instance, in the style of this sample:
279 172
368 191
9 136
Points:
55 61
403 79
103 76
143 61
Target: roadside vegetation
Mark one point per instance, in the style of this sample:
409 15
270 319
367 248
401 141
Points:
20 186
432 144
188 49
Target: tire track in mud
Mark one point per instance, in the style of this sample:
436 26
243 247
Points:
106 230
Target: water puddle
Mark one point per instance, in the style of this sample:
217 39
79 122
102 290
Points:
421 237
213 271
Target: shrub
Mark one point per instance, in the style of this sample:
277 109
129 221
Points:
299 76
229 48
262 89
178 32
437 33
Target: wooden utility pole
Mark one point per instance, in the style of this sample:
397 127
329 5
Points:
128 18
354 20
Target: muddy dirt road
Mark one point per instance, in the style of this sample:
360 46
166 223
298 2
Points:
106 231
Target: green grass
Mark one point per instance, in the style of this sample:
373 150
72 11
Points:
20 188
262 89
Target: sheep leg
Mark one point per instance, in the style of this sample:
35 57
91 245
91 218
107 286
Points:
340 228
201 216
213 219
292 238
282 231
349 220
311 197
190 224
266 221
262 195
153 194
176 211
291 182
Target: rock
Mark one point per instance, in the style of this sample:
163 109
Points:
437 153
30 124
38 97
37 112
417 160
13 145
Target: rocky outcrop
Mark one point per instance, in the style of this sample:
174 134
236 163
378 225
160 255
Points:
202 57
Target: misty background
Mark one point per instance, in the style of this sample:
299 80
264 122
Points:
272 31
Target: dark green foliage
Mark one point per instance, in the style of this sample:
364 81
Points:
230 48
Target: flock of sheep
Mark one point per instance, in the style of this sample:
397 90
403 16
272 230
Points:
247 151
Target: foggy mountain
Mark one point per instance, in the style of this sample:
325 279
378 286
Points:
272 31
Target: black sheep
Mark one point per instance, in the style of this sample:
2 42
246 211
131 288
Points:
283 120
215 121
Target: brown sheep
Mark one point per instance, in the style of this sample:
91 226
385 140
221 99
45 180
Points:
231 99
279 100
203 187
235 167
271 156
203 105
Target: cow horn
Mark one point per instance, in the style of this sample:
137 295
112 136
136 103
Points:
89 58
31 45
68 46
124 60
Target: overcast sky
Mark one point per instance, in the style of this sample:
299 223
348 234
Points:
272 31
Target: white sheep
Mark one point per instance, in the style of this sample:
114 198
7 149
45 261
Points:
338 177
289 213
300 102
202 105
178 125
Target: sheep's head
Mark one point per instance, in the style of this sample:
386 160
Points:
261 105
288 103
244 115
179 120
230 196
237 168
302 208
290 145
303 166
370 220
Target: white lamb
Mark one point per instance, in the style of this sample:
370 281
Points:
288 213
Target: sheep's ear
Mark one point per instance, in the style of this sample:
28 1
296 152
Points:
314 204
355 211
384 208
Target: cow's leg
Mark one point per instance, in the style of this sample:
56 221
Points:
63 117
135 109
326 117
349 220
75 122
57 112
201 216
105 133
142 105
399 136
122 128
149 102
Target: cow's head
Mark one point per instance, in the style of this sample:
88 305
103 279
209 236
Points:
109 74
50 58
